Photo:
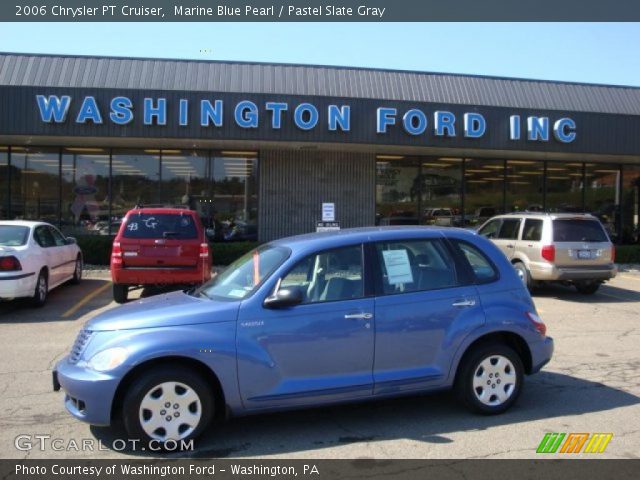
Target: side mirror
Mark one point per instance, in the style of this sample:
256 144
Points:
70 241
285 297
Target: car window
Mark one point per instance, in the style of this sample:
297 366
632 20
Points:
532 230
482 267
43 237
58 239
509 229
328 276
13 235
490 230
160 225
578 230
242 277
415 265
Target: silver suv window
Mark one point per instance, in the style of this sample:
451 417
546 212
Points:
532 230
509 229
578 230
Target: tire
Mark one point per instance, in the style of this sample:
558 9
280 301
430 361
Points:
523 274
587 288
143 404
120 293
479 382
42 289
77 271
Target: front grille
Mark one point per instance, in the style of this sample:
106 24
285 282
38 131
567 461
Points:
79 345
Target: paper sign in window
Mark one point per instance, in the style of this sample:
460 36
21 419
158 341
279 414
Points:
398 268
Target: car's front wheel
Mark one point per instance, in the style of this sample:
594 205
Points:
167 405
490 378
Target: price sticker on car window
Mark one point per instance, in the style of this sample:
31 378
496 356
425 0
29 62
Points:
398 267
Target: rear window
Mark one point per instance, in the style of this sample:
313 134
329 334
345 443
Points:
13 235
164 225
577 230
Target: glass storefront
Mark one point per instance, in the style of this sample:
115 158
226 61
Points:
85 190
34 184
418 190
525 185
4 182
602 197
565 185
234 207
484 189
630 204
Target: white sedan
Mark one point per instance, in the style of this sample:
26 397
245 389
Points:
35 258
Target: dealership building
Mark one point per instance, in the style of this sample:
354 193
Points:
275 150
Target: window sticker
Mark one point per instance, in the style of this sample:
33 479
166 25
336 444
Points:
132 227
237 293
151 223
398 267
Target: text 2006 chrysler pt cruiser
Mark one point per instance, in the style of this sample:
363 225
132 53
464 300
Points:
311 320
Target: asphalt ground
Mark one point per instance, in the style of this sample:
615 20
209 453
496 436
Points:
592 385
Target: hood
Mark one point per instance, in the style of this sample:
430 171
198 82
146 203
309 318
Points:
171 309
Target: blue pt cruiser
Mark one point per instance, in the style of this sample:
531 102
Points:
312 320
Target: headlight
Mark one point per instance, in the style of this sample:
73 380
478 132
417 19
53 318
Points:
108 359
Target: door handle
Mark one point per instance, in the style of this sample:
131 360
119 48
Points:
358 316
509 246
464 303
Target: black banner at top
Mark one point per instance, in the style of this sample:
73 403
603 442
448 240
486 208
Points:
319 11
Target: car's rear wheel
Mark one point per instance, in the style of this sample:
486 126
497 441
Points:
490 378
77 271
42 289
120 292
587 288
523 274
167 405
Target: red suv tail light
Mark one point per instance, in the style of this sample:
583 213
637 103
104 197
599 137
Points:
549 253
537 323
204 250
9 264
116 254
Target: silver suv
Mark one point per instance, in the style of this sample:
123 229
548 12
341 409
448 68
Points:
560 247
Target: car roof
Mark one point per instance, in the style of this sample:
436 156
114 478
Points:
24 223
547 215
366 234
162 210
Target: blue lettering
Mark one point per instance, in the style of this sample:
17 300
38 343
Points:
159 111
89 111
183 110
564 130
514 127
277 108
409 122
211 113
340 116
445 124
121 113
299 114
246 114
474 125
385 117
53 108
538 129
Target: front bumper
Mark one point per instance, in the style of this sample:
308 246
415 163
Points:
541 354
88 394
17 285
550 272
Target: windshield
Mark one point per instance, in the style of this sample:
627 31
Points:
577 230
13 235
242 277
160 225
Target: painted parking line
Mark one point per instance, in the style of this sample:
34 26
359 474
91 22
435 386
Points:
616 296
86 299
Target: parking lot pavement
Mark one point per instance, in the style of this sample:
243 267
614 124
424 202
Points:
591 385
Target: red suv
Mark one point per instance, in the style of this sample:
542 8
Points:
159 246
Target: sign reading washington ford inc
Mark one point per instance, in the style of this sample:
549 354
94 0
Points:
305 116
